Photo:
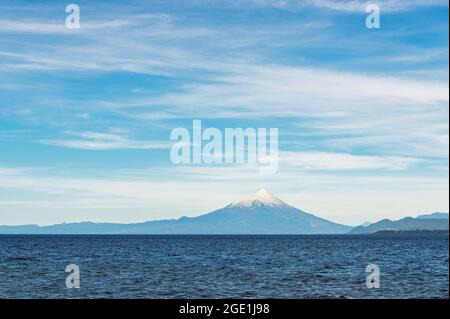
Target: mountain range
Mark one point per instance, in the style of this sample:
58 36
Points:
261 213
435 221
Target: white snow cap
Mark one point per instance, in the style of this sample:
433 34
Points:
261 198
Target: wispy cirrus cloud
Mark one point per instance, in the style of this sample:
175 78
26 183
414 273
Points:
103 141
410 114
335 5
39 27
385 5
343 161
294 88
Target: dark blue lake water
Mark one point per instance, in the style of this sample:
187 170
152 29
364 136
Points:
223 266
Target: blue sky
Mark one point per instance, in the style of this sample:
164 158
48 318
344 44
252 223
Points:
86 114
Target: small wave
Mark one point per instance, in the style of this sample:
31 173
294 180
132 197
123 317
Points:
18 258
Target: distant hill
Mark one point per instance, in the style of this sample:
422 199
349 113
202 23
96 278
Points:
436 221
261 213
434 216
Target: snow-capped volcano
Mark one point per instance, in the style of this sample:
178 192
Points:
264 213
261 213
261 198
